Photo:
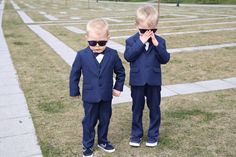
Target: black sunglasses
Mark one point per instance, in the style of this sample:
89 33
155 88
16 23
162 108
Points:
145 30
100 43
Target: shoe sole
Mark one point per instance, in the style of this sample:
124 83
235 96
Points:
88 156
151 144
109 151
134 144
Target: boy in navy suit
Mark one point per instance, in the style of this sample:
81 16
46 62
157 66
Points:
146 52
97 64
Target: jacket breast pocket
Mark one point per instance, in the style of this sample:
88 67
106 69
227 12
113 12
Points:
157 70
134 70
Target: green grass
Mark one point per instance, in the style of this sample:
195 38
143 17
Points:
191 114
200 124
51 107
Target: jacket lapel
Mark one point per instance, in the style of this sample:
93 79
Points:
105 60
92 61
136 36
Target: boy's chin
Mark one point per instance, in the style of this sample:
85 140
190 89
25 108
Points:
97 51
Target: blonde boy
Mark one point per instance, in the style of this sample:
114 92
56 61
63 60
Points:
146 51
97 64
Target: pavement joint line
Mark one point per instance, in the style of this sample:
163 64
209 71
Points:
16 117
16 135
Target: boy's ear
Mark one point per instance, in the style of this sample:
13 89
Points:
108 37
86 36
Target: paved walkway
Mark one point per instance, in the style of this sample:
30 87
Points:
181 26
121 48
68 55
185 32
128 23
17 133
170 4
75 29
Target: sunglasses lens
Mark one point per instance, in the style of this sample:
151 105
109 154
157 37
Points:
102 43
92 43
142 30
154 30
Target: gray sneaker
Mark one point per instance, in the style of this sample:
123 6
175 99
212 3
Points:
107 147
135 143
151 144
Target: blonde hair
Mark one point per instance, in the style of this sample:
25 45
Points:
98 25
147 14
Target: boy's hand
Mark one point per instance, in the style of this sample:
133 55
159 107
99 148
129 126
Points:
144 37
116 93
154 40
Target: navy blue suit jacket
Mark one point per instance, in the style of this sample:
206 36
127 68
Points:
97 78
145 66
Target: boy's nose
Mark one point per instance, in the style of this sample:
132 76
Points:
97 44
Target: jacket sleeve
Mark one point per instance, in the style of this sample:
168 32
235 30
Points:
75 76
133 50
162 55
120 74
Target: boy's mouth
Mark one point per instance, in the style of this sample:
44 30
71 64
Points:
97 50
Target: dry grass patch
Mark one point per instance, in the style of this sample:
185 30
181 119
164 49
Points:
198 66
35 16
73 40
195 39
